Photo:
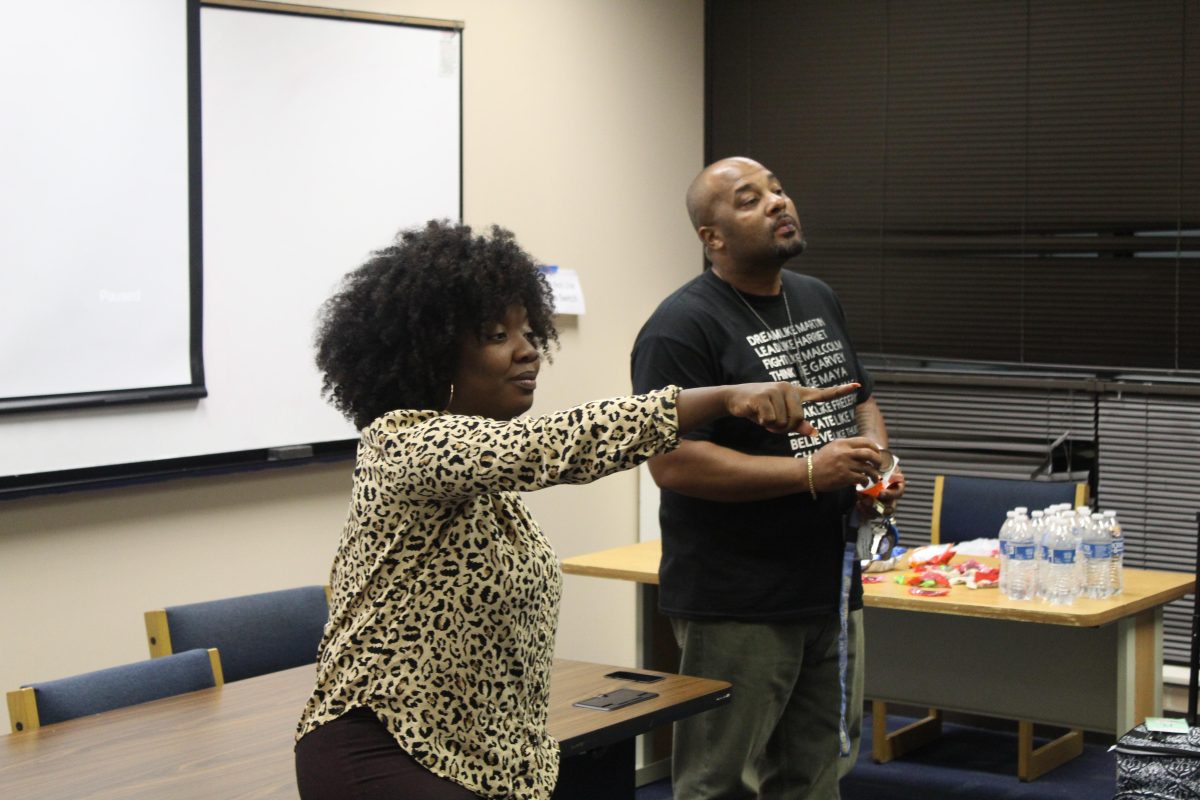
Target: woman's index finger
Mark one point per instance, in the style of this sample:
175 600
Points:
831 392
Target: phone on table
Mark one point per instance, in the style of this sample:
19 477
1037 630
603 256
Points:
637 677
618 698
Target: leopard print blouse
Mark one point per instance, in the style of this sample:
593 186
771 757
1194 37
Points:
446 593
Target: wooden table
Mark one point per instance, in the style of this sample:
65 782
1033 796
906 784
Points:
236 741
1093 665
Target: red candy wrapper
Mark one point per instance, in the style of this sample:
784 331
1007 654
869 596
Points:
931 556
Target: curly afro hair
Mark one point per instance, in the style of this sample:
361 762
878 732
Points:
391 335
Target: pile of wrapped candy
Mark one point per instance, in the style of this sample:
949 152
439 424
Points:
931 574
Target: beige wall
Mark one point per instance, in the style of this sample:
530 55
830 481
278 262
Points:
582 126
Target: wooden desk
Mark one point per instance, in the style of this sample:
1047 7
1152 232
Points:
1093 665
236 741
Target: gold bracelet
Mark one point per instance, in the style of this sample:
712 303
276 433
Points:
812 490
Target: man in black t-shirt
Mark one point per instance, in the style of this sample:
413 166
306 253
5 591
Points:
754 524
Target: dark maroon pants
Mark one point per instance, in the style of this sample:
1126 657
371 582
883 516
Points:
354 757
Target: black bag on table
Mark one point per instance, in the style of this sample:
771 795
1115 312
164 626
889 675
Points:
1164 766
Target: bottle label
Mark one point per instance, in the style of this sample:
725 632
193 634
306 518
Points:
1097 550
1118 547
1044 553
1066 556
1021 552
1005 548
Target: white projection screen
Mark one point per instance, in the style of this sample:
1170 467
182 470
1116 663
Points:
94 210
319 138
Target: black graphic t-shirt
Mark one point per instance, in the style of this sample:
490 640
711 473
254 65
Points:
772 560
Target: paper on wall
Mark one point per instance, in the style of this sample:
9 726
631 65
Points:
564 284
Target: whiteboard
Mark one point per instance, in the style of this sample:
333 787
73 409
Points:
321 138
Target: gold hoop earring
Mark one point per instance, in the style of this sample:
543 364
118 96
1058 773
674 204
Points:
451 400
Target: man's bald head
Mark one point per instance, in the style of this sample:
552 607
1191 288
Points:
705 187
743 216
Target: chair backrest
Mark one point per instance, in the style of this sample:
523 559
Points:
37 704
974 508
256 633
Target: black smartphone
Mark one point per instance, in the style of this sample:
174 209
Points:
618 698
637 677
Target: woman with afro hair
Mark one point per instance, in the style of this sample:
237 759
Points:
433 672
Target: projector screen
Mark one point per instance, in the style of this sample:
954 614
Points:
94 214
321 138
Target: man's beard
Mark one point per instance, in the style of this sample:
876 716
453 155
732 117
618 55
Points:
791 249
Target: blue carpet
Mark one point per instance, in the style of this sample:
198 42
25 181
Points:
967 763
659 790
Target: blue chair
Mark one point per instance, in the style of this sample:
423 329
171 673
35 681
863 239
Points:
256 633
38 704
974 508
967 508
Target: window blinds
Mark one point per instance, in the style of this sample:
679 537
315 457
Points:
984 181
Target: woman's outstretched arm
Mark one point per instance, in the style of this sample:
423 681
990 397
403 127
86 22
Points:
778 407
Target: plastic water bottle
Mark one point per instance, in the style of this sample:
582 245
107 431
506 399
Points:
1116 583
1018 529
1062 568
1022 560
1005 536
1096 548
1037 524
1043 550
1051 519
1079 519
